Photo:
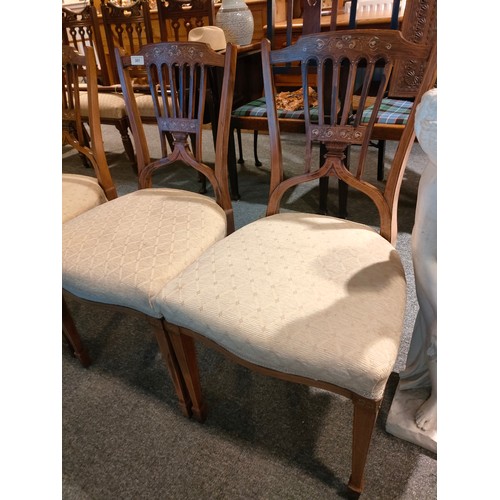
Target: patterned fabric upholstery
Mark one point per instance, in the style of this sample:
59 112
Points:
145 105
258 108
124 251
295 293
111 105
80 193
391 112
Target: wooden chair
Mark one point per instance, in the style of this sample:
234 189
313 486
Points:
129 27
81 193
418 24
80 28
178 18
121 253
309 298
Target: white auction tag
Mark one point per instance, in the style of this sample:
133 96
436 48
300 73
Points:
137 60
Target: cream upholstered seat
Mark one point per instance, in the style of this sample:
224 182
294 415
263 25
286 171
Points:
124 251
79 194
303 297
295 293
111 105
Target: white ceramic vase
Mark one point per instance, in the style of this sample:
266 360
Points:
236 20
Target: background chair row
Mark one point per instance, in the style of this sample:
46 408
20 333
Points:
418 24
130 28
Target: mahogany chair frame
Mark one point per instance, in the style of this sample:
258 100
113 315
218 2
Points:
178 114
74 135
128 27
336 136
185 14
80 28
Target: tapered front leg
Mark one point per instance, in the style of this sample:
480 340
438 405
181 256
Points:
185 352
172 364
365 415
71 334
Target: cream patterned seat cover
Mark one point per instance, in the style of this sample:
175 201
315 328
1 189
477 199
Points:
124 251
79 194
303 294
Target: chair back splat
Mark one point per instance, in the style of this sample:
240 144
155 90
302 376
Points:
128 27
179 75
178 18
303 297
340 66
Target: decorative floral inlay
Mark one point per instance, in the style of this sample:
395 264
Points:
338 134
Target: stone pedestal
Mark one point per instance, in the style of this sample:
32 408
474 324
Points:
401 419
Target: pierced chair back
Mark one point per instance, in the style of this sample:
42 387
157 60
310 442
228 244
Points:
332 63
74 132
80 28
177 18
178 75
303 297
128 27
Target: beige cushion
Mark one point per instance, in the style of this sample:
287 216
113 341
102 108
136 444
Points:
124 251
79 194
302 294
145 105
111 105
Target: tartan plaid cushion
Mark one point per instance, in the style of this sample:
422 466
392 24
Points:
392 111
258 108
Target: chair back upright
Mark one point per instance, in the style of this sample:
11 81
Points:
179 74
128 27
178 18
323 57
80 28
73 129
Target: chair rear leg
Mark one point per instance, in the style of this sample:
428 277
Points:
255 140
185 352
122 127
380 160
240 146
172 365
365 416
232 168
71 334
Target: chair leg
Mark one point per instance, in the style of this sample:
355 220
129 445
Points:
71 334
240 146
185 352
172 365
232 167
380 160
255 138
365 415
122 127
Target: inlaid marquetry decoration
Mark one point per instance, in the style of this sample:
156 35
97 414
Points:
419 26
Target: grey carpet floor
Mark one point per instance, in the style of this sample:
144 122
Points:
124 436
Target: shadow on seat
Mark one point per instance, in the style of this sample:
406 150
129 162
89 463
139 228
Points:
121 253
309 298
